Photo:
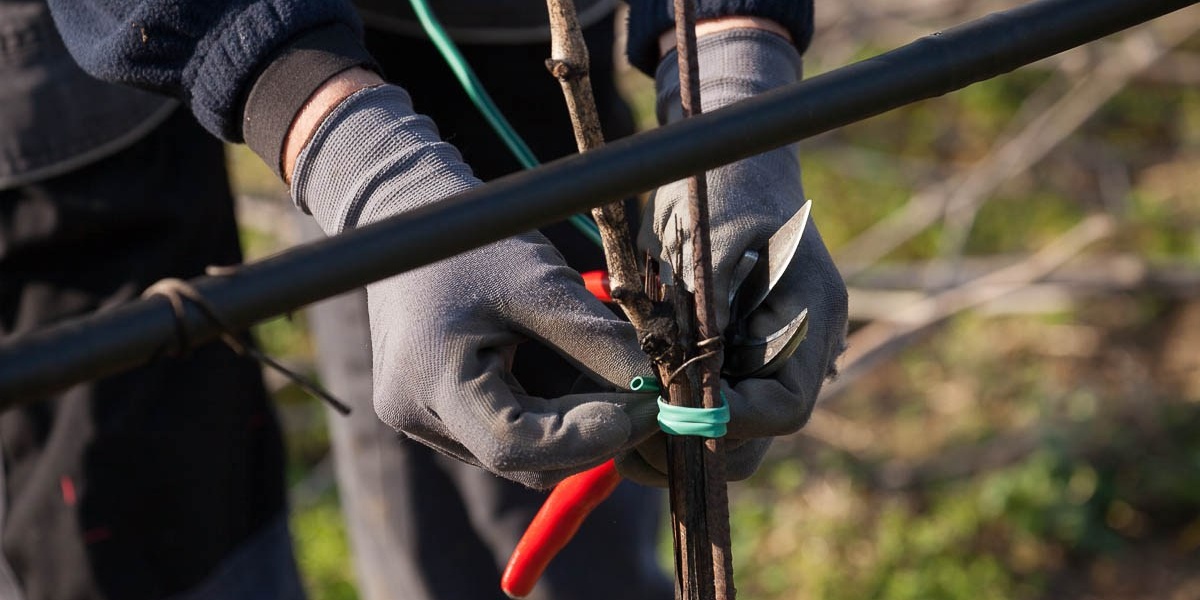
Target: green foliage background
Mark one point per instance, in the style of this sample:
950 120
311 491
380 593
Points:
1043 455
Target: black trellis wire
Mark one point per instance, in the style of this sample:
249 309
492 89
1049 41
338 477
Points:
54 358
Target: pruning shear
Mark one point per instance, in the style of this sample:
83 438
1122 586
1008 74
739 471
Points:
754 278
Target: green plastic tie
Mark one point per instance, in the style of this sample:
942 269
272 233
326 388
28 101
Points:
684 420
479 96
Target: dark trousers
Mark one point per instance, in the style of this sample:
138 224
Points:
142 485
428 527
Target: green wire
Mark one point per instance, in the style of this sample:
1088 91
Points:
644 383
474 88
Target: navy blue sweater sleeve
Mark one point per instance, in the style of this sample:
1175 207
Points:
212 53
648 19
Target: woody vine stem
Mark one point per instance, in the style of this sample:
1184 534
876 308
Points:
707 372
696 469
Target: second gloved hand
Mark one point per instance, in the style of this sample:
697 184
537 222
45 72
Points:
444 335
748 202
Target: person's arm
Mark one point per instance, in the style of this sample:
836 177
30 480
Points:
289 78
245 68
318 106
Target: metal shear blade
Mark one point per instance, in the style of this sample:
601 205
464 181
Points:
755 277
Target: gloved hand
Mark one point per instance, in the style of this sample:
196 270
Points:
748 202
443 336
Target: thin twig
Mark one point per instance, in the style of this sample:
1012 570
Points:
568 63
887 291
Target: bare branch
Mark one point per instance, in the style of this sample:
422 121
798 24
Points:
568 63
959 198
880 340
886 291
697 478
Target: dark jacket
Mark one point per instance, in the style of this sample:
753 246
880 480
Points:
54 117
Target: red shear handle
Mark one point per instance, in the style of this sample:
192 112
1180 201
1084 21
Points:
597 283
554 525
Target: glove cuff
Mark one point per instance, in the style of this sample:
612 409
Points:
648 19
734 64
373 157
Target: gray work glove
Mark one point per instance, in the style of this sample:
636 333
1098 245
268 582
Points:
443 336
748 202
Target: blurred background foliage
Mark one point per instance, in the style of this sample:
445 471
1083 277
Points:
1040 440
